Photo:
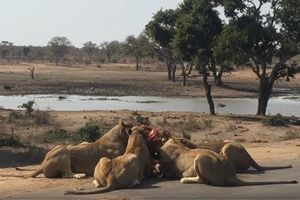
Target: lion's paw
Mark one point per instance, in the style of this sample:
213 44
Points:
96 183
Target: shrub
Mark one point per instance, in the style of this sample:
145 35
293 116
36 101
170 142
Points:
208 123
138 118
10 141
41 117
89 133
13 115
7 86
189 125
276 120
28 107
55 135
186 135
291 135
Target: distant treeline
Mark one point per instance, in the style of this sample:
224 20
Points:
60 51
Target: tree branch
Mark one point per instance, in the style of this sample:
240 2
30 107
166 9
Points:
254 65
275 71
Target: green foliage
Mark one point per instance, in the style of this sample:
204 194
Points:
10 140
198 25
56 135
276 120
162 28
59 47
28 107
89 133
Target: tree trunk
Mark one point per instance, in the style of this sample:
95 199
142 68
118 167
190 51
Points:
264 93
184 79
169 71
137 63
174 66
190 70
208 92
218 79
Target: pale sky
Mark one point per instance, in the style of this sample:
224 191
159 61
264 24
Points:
35 22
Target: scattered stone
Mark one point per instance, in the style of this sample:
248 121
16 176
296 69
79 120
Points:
221 105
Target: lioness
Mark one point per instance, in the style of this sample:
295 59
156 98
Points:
64 161
124 171
237 155
201 166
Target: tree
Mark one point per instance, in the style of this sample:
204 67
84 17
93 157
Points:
161 30
264 42
26 51
138 47
5 48
59 47
110 49
198 26
89 48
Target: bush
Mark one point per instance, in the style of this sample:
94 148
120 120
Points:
189 125
291 135
10 141
28 107
138 118
41 117
276 120
6 86
89 133
13 115
55 135
208 123
186 135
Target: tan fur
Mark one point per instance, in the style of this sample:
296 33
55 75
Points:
64 161
124 171
237 155
201 166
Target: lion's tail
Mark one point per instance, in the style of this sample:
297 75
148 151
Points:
242 183
24 169
254 164
108 188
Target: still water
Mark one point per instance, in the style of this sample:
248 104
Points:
289 105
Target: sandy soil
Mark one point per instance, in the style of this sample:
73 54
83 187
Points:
266 144
123 79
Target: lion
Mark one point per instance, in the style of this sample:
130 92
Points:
201 166
124 171
77 161
237 155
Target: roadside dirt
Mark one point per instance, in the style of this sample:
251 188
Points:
266 144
